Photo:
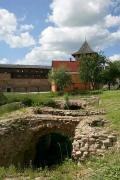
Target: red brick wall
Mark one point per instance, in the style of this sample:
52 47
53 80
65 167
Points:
73 67
23 84
76 85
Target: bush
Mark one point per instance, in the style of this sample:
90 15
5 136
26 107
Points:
27 102
95 92
53 94
66 98
9 107
49 103
45 102
75 92
3 99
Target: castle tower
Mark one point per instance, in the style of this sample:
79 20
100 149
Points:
84 50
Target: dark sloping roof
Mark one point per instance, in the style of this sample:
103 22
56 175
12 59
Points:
85 49
24 66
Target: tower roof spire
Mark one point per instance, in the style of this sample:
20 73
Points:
85 49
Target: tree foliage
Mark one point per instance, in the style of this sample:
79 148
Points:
117 63
111 73
91 67
60 77
3 99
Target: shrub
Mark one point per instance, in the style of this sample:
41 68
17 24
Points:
60 77
27 102
66 98
95 92
3 99
2 173
53 94
6 108
49 103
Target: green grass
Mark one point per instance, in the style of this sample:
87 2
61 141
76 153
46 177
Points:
37 97
105 168
110 101
65 171
14 100
7 108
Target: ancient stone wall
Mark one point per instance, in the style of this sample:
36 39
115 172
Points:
92 138
88 130
18 136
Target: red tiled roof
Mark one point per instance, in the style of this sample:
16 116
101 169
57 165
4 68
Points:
72 66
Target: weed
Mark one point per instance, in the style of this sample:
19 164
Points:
66 99
9 107
3 99
27 102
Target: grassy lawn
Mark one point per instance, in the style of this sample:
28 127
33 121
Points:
104 168
14 100
110 101
7 108
36 97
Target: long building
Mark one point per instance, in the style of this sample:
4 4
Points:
24 78
34 78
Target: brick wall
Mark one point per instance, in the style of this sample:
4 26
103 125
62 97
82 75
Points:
33 85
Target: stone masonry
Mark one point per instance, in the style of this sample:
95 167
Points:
88 130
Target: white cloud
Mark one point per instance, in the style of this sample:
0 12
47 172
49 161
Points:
3 61
115 57
113 38
78 12
112 20
73 20
26 27
70 38
40 56
8 31
23 40
8 22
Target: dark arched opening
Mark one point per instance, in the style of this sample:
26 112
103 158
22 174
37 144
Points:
74 107
52 149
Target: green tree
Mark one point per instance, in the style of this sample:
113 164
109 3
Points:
117 63
3 99
61 77
111 73
91 67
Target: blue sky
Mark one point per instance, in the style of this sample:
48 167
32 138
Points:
27 12
35 32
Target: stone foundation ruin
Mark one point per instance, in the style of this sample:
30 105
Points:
46 136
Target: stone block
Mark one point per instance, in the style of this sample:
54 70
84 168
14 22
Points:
97 146
85 140
86 145
92 140
78 153
85 154
112 138
83 149
107 143
103 147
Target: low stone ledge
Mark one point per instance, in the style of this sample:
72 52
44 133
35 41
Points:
75 113
82 103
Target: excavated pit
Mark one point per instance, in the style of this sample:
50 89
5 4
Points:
52 149
74 107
